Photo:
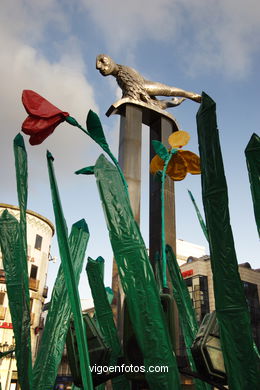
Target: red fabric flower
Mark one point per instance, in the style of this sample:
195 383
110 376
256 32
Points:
43 117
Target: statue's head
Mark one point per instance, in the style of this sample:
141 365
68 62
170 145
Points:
105 65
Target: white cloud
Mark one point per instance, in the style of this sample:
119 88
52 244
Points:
130 22
63 82
225 35
214 34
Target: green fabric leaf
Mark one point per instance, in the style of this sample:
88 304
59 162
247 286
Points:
21 168
105 317
137 278
103 309
110 294
69 276
59 313
95 130
252 153
231 307
11 244
86 171
186 311
160 149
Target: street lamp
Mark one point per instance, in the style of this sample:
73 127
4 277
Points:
206 350
5 347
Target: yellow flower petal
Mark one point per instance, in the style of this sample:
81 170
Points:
179 139
192 161
177 169
156 164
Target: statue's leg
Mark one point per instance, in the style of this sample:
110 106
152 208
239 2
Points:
159 89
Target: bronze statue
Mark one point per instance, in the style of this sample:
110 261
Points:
135 87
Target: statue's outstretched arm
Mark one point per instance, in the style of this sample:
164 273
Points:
158 89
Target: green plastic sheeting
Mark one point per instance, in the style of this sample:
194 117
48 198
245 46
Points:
162 152
110 295
231 307
13 243
22 192
21 168
105 318
137 279
12 252
186 311
59 313
252 153
201 221
69 276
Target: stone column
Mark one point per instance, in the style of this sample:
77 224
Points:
130 143
162 124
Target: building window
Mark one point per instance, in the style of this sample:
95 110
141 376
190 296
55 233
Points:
33 274
38 242
198 289
2 298
252 299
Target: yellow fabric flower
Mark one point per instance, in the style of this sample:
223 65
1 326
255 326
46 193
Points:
182 162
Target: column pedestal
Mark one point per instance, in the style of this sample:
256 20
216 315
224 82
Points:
161 124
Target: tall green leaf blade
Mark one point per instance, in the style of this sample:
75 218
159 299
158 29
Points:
59 313
137 279
201 221
186 311
252 153
69 276
11 244
21 168
231 307
105 318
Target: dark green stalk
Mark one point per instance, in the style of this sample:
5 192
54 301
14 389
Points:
69 276
201 221
164 261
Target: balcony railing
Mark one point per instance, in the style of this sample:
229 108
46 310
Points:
34 284
2 276
32 318
45 292
2 312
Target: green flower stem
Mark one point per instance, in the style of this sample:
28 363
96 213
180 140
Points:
72 121
118 168
164 261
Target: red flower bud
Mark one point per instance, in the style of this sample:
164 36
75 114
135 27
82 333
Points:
43 117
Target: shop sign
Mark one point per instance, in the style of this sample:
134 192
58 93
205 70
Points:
6 325
187 273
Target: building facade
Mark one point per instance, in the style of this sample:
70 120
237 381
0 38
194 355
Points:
198 277
185 249
39 234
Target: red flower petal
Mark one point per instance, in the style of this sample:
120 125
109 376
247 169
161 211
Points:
40 129
43 117
37 139
38 106
33 125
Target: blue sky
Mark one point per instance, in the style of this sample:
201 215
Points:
202 45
